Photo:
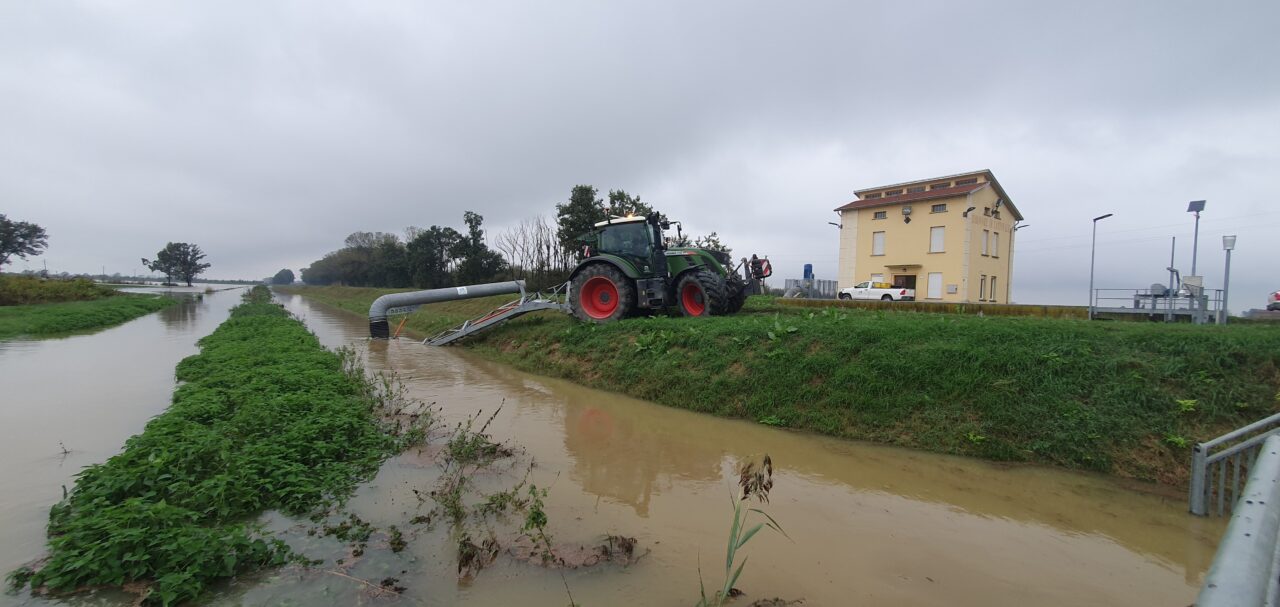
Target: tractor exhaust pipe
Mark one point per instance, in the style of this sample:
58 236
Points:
395 303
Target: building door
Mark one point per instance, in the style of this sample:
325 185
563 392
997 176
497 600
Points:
904 281
935 285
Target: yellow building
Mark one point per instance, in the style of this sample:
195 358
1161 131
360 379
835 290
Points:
949 238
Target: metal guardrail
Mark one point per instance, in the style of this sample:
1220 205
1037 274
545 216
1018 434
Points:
1246 570
1161 302
1236 456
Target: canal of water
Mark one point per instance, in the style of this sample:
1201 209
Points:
867 525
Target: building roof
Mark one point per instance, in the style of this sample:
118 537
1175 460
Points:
863 203
913 197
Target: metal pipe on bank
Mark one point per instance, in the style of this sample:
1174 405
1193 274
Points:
401 303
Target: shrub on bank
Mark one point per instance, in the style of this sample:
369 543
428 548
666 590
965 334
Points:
25 290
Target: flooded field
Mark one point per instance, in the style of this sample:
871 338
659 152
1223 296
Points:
868 525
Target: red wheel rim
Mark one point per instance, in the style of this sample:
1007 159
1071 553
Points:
691 299
599 297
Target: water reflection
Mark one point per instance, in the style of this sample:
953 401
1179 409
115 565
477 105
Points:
183 313
616 458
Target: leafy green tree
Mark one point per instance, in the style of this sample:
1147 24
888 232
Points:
478 262
622 204
283 277
712 242
178 260
430 256
20 239
578 216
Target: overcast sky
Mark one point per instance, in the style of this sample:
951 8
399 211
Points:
267 131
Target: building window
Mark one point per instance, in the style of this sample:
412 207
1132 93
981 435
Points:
893 192
870 196
880 215
986 211
938 186
995 244
915 189
938 208
937 239
969 181
996 214
993 289
986 238
982 288
935 285
877 278
877 243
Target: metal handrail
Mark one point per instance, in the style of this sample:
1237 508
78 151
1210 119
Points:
1241 456
1246 569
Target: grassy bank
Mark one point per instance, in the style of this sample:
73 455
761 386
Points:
45 320
1123 398
265 419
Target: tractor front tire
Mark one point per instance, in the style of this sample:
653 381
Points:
600 293
702 292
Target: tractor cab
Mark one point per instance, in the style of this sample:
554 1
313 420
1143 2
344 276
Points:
634 239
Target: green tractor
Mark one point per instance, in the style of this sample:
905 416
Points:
627 268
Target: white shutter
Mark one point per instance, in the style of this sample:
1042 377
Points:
877 278
995 244
986 236
935 285
937 238
877 243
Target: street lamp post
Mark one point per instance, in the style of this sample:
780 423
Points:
1093 249
1228 243
1195 206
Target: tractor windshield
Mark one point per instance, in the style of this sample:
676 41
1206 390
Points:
629 240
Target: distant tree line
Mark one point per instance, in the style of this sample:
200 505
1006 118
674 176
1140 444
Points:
426 258
536 251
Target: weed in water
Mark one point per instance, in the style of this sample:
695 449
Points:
395 538
754 481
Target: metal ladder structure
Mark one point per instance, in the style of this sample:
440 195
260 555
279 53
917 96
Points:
526 304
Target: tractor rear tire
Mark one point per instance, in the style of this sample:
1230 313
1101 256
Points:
600 293
702 292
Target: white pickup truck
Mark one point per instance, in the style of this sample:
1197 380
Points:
878 290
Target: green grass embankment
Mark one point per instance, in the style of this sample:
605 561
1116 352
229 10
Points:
1123 398
41 307
46 320
265 419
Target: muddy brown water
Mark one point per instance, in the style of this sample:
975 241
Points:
868 525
